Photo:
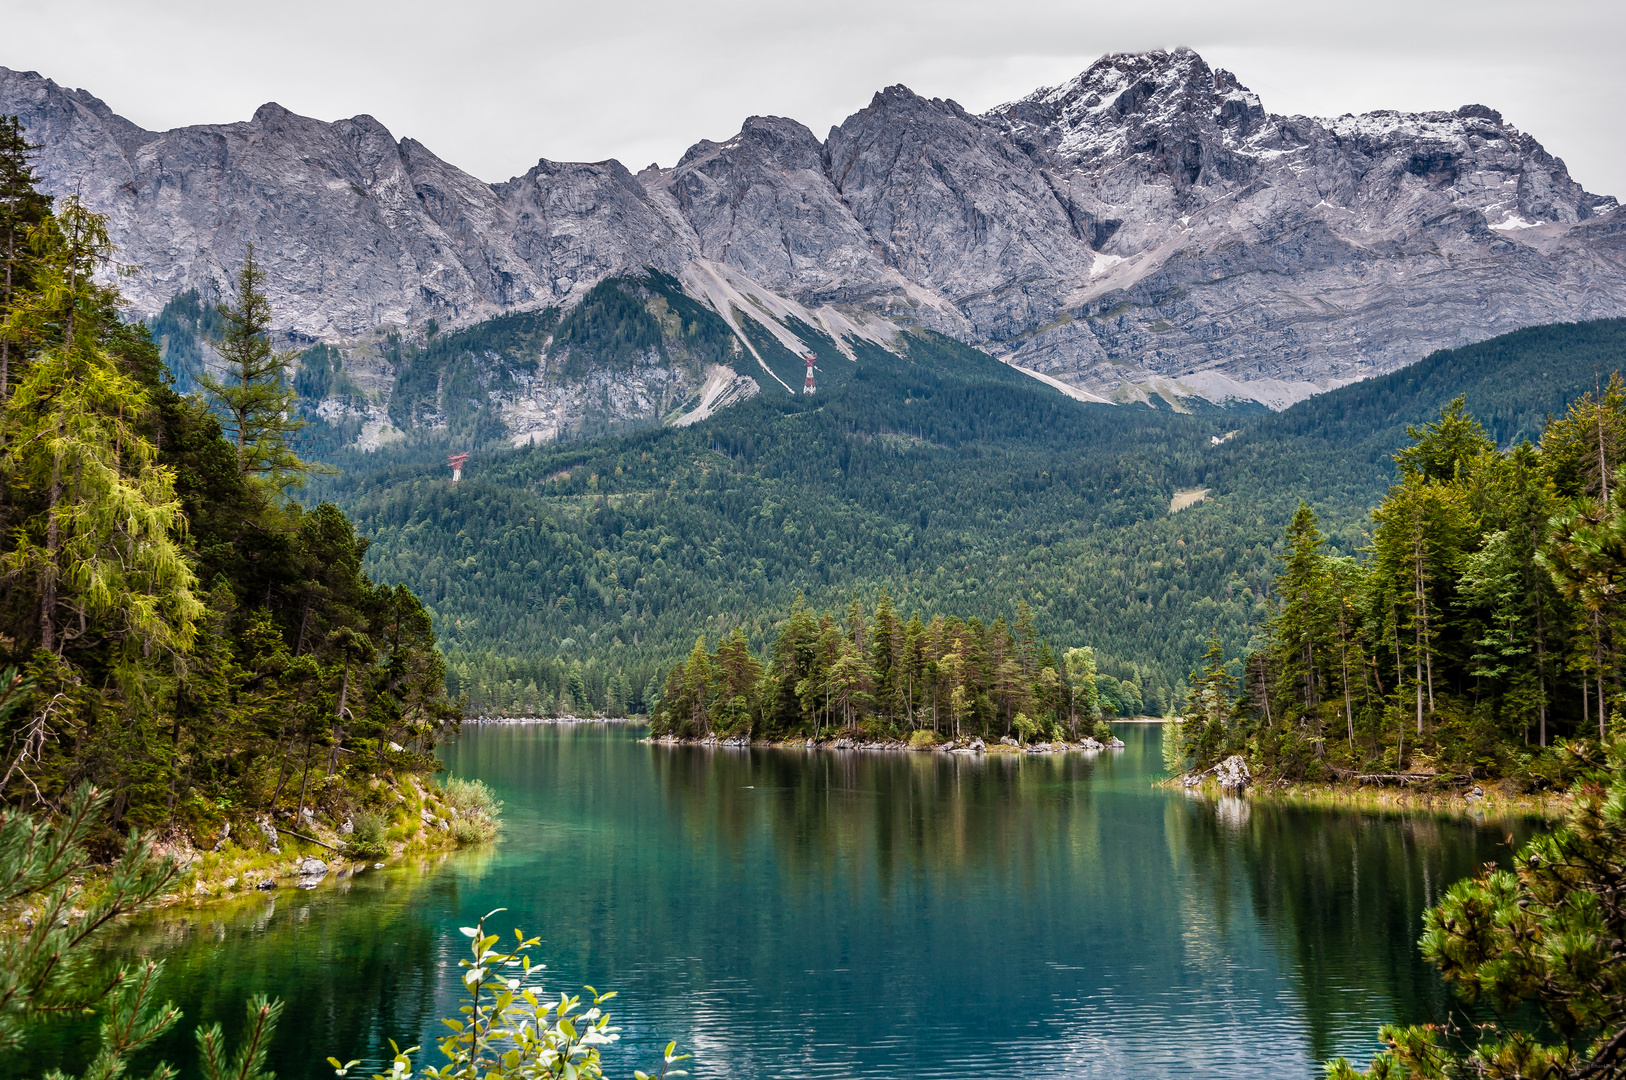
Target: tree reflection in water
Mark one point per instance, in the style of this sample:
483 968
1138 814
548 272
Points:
786 913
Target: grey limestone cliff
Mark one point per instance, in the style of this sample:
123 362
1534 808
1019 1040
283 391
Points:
1148 227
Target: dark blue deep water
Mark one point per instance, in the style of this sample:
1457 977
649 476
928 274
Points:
783 913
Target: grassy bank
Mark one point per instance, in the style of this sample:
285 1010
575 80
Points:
424 819
1493 800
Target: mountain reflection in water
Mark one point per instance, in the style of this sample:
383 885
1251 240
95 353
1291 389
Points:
785 913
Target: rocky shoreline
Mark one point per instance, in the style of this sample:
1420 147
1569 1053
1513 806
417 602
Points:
964 745
562 720
316 850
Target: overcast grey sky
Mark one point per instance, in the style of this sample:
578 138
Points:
491 85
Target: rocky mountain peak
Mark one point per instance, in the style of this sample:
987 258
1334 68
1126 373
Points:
1169 107
1146 227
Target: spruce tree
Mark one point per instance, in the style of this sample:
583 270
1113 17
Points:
255 395
22 210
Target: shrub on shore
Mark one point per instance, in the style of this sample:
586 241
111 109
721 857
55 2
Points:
1540 940
367 836
477 809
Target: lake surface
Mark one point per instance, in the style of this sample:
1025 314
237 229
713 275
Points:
783 913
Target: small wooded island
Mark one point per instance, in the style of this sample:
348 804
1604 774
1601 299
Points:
877 681
1472 639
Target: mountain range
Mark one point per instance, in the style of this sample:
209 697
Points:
1147 230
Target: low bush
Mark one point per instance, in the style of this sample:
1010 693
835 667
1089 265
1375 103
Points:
473 829
367 839
471 797
922 740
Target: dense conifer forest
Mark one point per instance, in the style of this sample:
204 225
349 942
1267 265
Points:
883 677
568 576
1479 626
179 629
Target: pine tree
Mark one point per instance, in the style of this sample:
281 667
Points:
22 210
1303 629
255 394
1210 704
1582 449
48 970
886 645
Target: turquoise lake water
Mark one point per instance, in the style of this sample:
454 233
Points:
791 914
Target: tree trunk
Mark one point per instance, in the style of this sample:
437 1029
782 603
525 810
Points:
304 780
53 539
338 721
282 773
5 343
1419 697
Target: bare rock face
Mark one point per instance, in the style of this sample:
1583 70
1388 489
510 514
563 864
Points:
762 203
1253 255
959 208
574 225
1146 228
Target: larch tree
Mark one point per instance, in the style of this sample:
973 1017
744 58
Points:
105 547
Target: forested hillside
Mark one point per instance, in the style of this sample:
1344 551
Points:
1482 626
176 628
567 576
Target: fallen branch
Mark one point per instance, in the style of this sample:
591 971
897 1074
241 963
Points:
302 836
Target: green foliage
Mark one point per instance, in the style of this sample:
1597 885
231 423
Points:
253 395
953 480
367 840
444 384
23 208
47 971
472 797
184 637
509 1030
102 541
181 330
1486 616
476 808
1543 938
249 1061
320 371
869 675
